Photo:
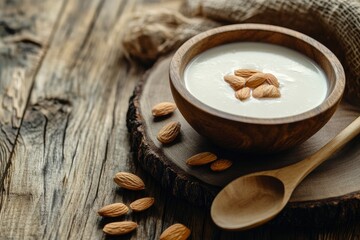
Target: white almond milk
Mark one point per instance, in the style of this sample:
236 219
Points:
303 84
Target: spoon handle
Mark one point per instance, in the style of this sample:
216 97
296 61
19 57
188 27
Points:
295 173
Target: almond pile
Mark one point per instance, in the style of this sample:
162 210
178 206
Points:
247 82
204 158
133 182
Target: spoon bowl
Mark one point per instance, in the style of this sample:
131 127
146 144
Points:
254 199
241 203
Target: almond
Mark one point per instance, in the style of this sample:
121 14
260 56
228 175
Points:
162 109
235 82
266 90
255 80
245 73
272 80
243 93
271 91
201 159
220 165
259 91
113 210
129 181
169 132
119 228
142 204
176 231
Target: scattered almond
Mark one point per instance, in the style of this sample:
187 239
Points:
113 210
243 93
272 80
255 80
220 165
142 204
245 73
201 159
235 82
119 228
169 132
176 231
163 109
129 181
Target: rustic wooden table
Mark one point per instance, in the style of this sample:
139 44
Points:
64 91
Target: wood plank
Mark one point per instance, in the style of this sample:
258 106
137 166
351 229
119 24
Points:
68 138
25 30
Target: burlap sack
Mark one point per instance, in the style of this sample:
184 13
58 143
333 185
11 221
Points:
154 33
335 23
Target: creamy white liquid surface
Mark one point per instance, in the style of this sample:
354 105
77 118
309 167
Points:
303 83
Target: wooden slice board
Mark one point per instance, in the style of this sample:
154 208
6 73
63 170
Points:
330 194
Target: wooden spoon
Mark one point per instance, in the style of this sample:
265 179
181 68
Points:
254 199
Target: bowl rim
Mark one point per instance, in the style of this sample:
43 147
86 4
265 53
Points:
332 98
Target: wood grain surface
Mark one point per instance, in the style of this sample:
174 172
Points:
64 91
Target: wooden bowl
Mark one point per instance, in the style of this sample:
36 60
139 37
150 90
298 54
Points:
248 133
